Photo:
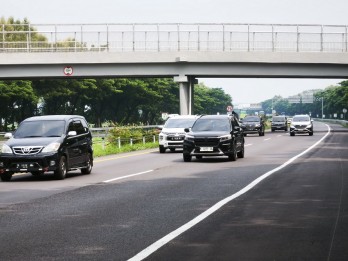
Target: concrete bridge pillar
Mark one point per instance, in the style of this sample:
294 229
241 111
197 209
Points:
186 93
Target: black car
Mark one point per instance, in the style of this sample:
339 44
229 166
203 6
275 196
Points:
279 123
253 125
214 135
57 143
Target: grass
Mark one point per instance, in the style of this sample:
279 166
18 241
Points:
102 149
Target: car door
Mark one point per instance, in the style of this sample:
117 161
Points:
238 134
72 145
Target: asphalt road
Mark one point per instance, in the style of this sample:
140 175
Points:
133 204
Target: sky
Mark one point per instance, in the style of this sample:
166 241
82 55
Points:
322 12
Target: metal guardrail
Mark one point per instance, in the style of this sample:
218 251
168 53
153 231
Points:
225 37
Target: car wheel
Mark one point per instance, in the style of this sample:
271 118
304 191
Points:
311 133
6 176
292 134
60 172
162 149
240 154
172 149
272 130
244 134
187 158
233 155
89 164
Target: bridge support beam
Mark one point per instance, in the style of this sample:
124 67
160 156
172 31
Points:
186 93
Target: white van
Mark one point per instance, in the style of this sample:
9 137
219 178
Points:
172 134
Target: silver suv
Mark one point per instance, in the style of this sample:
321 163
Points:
301 124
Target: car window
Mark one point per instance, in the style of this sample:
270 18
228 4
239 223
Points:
77 126
212 125
41 128
251 119
300 118
179 123
278 119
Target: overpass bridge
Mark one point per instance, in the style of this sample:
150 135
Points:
182 51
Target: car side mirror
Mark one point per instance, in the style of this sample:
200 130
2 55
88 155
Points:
72 133
187 129
8 135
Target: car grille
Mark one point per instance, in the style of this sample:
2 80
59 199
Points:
27 150
207 142
300 126
175 138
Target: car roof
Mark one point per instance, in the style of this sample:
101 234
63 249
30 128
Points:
215 117
183 117
302 115
54 117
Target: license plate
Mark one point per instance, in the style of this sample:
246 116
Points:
22 166
206 149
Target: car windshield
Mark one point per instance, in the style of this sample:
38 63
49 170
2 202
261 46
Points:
300 118
41 128
179 123
278 119
251 119
211 125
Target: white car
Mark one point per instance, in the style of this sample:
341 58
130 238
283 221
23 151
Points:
301 124
172 134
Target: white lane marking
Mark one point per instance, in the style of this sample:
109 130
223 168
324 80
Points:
246 145
279 135
164 240
267 139
128 176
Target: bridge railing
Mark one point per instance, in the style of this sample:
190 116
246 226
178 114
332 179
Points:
172 37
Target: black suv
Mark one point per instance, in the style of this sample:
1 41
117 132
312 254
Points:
57 143
214 135
253 125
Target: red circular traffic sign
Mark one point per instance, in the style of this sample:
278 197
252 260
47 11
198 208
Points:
68 70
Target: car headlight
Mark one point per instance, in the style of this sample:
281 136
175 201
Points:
309 126
6 149
225 137
189 138
53 147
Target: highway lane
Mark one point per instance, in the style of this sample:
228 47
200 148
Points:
83 217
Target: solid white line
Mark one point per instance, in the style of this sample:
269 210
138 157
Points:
267 139
164 240
128 176
246 145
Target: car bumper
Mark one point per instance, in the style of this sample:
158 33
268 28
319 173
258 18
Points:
24 163
301 130
222 149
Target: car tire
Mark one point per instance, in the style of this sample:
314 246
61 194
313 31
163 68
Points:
292 134
6 176
89 164
172 149
233 155
162 149
311 133
240 154
187 158
60 172
272 130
